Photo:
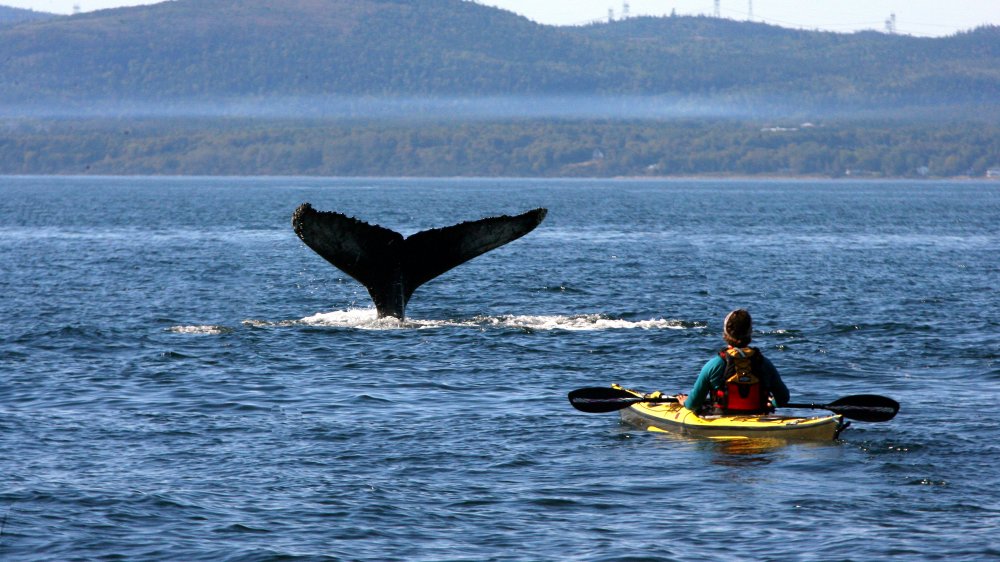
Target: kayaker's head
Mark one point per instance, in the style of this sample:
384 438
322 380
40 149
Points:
737 328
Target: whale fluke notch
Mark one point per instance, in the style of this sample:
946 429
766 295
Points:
390 266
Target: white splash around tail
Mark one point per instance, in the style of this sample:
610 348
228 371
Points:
367 319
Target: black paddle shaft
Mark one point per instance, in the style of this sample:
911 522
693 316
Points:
601 399
860 407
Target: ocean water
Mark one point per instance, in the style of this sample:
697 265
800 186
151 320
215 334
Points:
182 379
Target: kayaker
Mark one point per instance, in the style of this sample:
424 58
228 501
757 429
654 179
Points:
739 379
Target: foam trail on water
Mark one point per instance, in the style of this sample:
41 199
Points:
200 330
580 322
367 319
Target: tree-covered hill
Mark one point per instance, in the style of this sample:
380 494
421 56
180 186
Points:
294 47
451 87
210 49
703 54
11 16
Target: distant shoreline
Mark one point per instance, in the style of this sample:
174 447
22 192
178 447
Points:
523 149
705 177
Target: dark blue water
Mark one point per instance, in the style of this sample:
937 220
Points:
182 379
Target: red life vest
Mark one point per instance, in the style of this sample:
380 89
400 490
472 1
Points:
742 390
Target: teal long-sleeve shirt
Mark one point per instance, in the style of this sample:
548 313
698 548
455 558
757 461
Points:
711 379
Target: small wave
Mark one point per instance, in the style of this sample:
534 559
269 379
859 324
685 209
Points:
370 398
240 528
563 289
200 330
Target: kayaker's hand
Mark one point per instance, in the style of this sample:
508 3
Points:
681 398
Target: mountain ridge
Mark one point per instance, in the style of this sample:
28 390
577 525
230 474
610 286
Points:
188 49
13 16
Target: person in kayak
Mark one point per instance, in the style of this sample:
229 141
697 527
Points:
739 379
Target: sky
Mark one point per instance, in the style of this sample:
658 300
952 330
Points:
912 17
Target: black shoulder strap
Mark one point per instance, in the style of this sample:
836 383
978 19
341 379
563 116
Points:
755 362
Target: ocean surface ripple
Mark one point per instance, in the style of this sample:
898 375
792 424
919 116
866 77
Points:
182 379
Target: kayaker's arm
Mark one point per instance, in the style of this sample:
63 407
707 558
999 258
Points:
713 369
776 386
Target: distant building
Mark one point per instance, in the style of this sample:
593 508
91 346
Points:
993 173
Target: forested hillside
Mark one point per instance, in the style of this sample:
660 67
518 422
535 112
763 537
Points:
223 48
11 16
450 87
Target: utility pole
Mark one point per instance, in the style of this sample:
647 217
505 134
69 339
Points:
750 11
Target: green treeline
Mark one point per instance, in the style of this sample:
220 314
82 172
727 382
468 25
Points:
535 148
895 106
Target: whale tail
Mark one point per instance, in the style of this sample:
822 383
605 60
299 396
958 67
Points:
392 267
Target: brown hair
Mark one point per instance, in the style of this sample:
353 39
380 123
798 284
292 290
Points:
737 328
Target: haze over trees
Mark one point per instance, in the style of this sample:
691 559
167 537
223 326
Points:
447 87
11 16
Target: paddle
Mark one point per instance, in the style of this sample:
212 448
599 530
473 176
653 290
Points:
601 399
860 407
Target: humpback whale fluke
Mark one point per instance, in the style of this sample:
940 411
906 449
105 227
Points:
392 267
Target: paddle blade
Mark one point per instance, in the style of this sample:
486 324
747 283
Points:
601 399
865 407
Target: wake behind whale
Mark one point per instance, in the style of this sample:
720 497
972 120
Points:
390 266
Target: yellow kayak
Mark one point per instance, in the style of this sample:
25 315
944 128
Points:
675 418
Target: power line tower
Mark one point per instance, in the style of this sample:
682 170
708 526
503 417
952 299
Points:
718 12
890 24
625 11
611 15
750 11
